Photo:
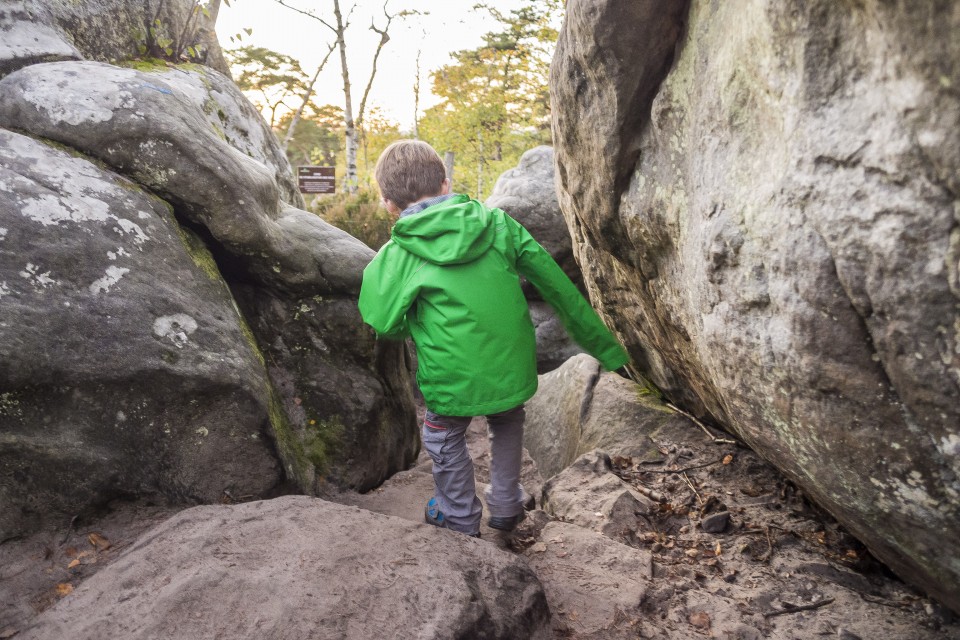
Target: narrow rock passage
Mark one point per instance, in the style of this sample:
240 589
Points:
616 564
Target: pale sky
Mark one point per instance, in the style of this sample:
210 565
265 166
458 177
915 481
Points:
451 25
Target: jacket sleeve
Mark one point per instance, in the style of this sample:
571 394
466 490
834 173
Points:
385 297
575 313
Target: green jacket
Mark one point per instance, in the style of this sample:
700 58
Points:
450 278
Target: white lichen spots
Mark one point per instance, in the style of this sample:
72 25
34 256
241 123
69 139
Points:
143 215
918 355
176 328
203 431
3 234
128 227
50 210
112 277
75 99
254 436
9 405
895 446
241 202
949 445
4 289
39 280
121 416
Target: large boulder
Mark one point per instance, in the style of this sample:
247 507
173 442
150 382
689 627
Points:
527 193
554 345
298 567
106 30
125 367
191 137
773 230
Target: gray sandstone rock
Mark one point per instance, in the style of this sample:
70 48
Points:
28 35
190 136
104 30
578 408
528 194
298 567
346 399
554 346
187 135
773 230
601 594
125 367
589 495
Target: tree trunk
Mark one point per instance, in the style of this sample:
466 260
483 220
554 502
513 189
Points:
213 8
416 115
448 165
350 180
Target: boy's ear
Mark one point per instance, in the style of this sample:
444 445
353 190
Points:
391 207
445 187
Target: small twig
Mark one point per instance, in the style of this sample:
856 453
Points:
656 496
769 554
789 608
716 439
66 534
681 471
884 601
692 488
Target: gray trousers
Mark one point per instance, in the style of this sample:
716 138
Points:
444 439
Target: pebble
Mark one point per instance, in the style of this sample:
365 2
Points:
716 522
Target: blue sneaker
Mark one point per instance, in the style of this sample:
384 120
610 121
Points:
433 516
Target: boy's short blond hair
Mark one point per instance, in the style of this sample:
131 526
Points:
409 170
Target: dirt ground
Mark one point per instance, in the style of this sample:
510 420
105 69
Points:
780 568
775 567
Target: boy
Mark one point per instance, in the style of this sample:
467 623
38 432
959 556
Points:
450 279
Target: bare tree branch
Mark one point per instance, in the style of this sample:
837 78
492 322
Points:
306 97
308 14
384 39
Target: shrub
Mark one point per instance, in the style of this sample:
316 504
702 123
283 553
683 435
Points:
360 214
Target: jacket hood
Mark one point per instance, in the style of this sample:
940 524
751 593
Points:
455 231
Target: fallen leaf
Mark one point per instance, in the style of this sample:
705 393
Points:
852 554
693 553
700 619
98 541
64 589
727 459
73 563
718 550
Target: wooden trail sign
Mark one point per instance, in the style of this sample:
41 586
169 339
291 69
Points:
317 179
